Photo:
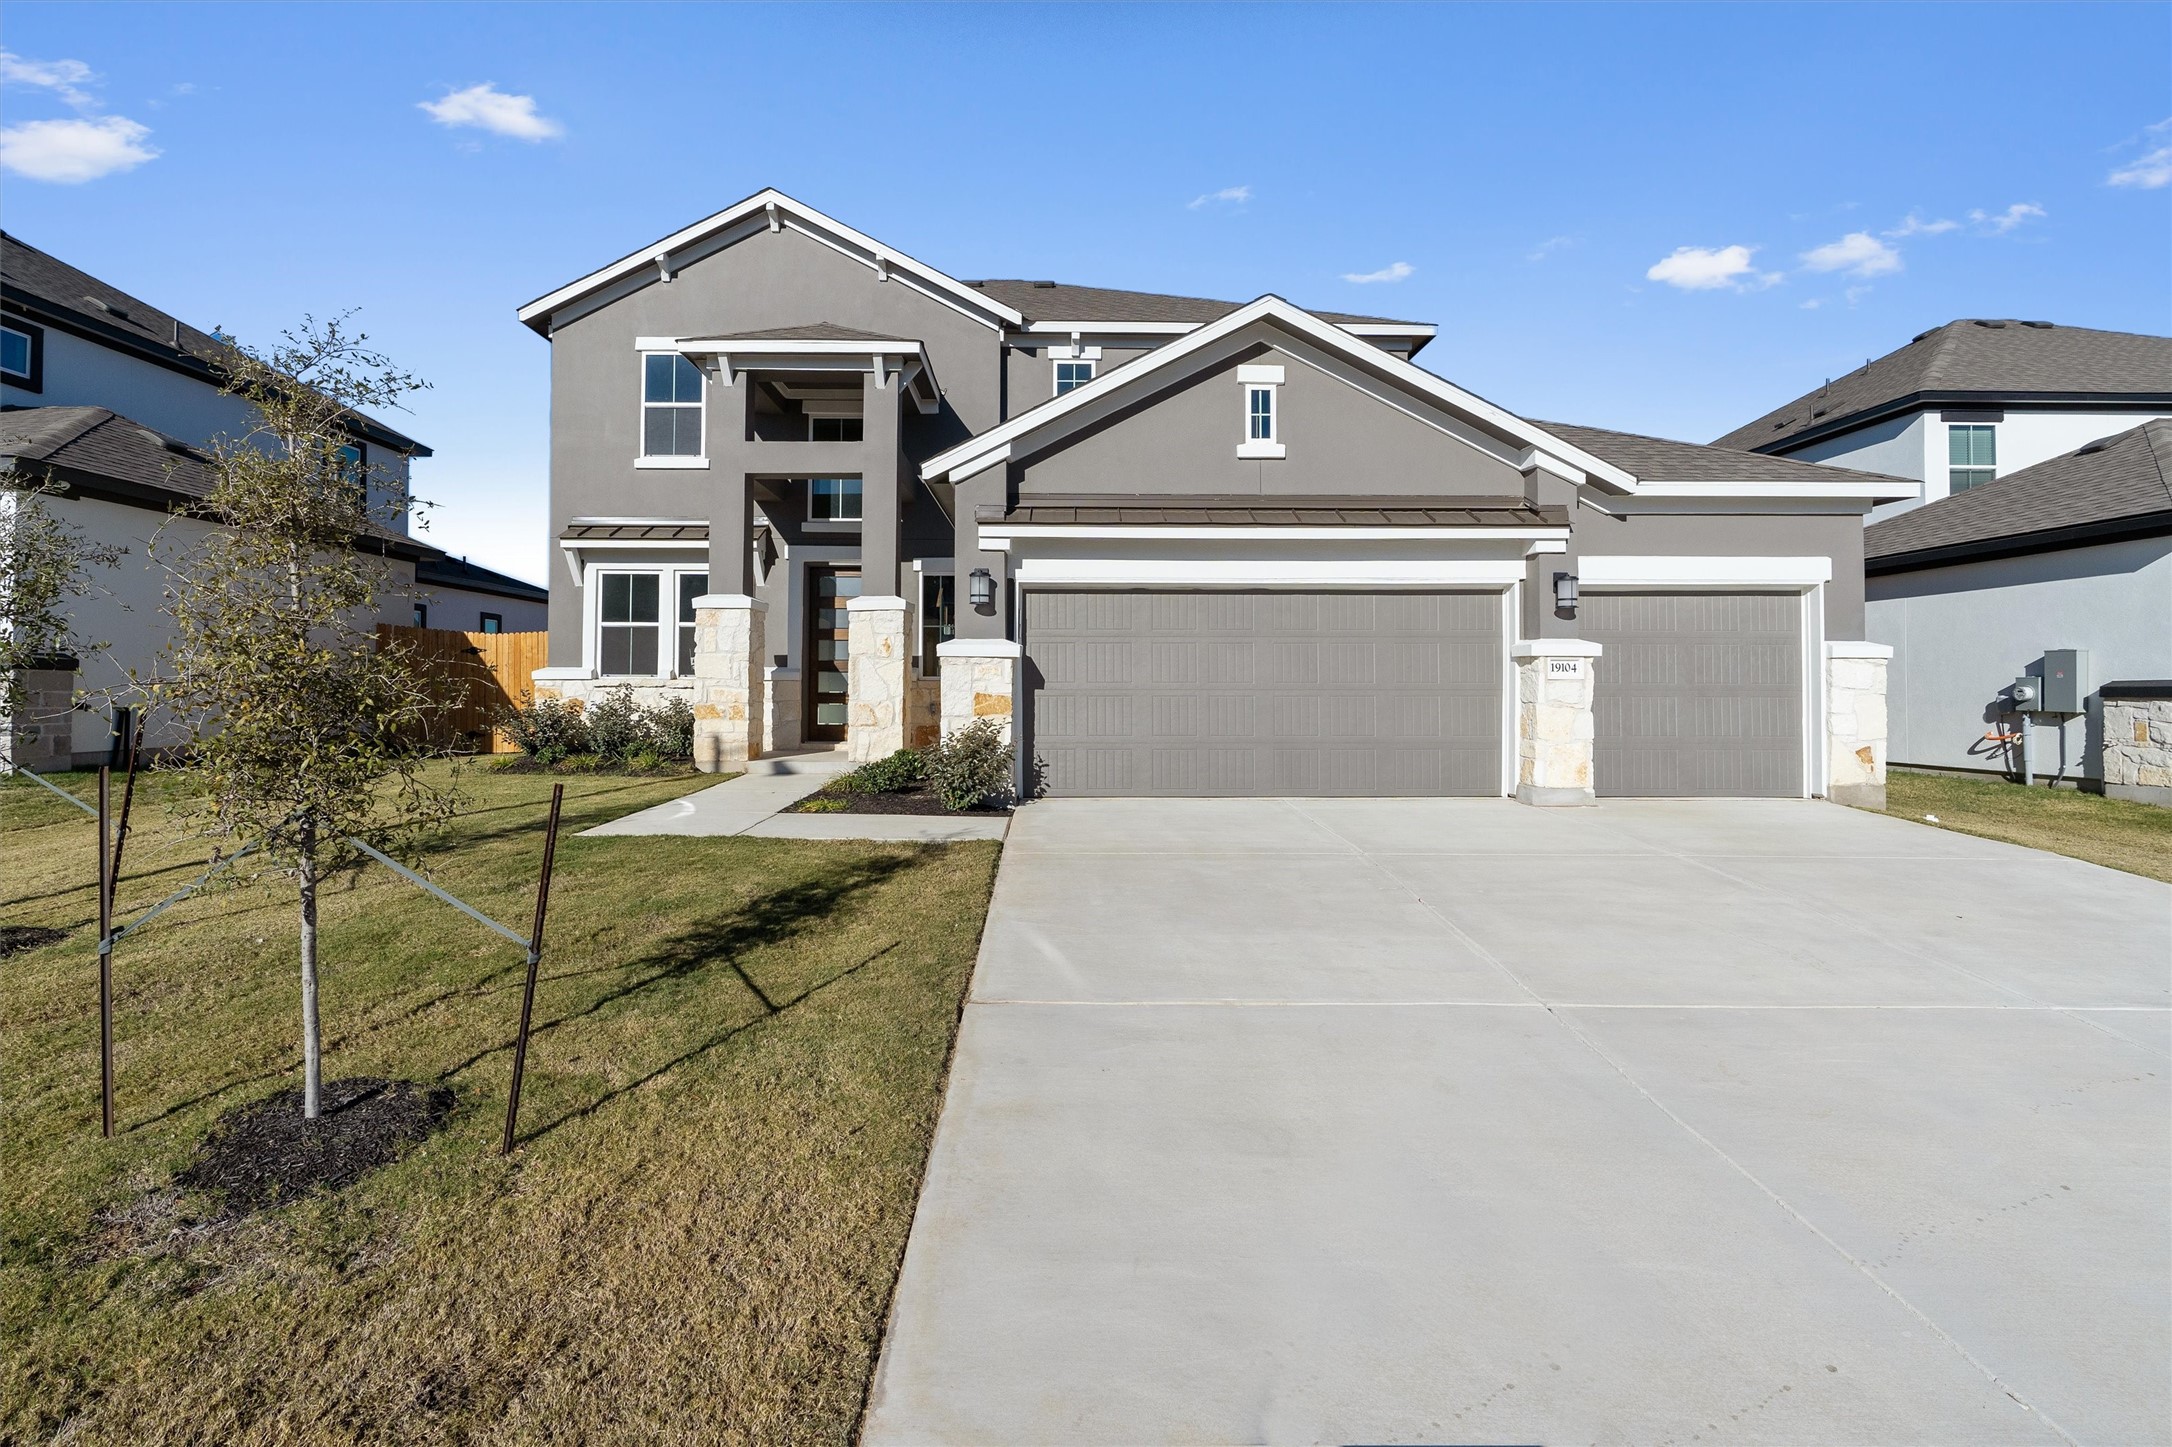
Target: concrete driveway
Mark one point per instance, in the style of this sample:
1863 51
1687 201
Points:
1459 1121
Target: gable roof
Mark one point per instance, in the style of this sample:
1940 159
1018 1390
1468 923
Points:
1050 301
772 208
2119 486
812 332
1983 362
43 288
996 444
451 572
99 453
1662 460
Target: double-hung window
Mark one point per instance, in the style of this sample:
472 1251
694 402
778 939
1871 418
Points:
1972 454
938 617
691 586
1072 375
670 406
628 622
833 499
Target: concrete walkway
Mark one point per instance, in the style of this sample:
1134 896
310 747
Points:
1459 1121
751 804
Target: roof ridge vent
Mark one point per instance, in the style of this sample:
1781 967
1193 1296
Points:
1044 286
1994 325
2040 326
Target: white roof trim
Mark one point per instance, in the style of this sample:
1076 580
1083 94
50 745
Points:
1839 487
993 535
1178 329
780 210
969 457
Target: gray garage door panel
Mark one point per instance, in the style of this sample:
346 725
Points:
1698 693
1264 694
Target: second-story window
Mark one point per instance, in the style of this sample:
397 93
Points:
1259 411
1972 450
833 500
21 356
834 429
1072 375
670 406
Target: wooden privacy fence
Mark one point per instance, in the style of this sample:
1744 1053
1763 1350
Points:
475 676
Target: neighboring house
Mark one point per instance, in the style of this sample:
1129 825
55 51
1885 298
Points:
455 593
116 401
1971 401
1175 546
1973 590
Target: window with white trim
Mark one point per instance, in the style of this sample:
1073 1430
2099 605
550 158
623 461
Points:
15 354
671 405
691 586
628 622
1972 453
833 499
1072 375
1259 414
1262 391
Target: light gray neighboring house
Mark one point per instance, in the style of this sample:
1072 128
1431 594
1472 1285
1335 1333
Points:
455 593
1972 401
1973 590
1174 546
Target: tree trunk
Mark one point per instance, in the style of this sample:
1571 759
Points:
312 1042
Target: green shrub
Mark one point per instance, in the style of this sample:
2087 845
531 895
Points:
548 729
670 728
615 724
972 766
822 804
893 775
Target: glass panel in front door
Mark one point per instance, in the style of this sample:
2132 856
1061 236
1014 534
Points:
829 632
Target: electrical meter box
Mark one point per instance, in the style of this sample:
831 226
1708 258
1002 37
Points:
2066 681
2024 692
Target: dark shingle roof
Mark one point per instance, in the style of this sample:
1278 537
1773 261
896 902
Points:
1661 459
2120 485
97 451
45 288
451 572
1140 510
1061 302
812 332
1982 362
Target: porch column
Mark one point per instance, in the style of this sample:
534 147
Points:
875 640
729 643
1554 732
980 681
1855 723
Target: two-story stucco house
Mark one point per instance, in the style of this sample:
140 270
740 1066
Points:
1971 401
1176 546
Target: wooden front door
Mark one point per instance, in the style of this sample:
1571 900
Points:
828 699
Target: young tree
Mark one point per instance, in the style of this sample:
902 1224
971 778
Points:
44 567
306 732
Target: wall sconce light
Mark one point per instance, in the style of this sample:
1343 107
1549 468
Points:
980 588
1565 592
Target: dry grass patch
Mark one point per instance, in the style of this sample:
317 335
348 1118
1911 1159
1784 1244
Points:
735 1075
2116 833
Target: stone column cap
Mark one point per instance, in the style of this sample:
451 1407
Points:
1846 649
778 670
730 600
1555 648
979 648
875 603
556 675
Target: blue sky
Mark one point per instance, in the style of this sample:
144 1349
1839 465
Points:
1663 219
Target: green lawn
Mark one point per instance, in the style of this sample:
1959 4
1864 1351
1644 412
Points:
2116 833
737 1068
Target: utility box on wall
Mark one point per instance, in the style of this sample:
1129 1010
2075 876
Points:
2066 681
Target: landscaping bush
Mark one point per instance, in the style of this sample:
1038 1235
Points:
615 725
615 731
893 775
670 727
548 730
972 766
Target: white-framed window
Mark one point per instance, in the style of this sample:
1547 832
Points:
671 406
1262 389
833 499
691 586
1972 455
629 624
17 354
1070 376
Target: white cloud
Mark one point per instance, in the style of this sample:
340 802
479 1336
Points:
2153 168
1707 268
74 151
1394 271
1234 195
488 108
65 78
1917 226
1549 246
1858 254
2008 219
1811 305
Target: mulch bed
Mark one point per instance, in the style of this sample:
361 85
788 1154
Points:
265 1154
909 801
16 938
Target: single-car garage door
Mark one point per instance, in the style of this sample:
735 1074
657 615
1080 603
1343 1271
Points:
1191 694
1697 693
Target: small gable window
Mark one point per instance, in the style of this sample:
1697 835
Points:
1262 388
1070 376
1260 409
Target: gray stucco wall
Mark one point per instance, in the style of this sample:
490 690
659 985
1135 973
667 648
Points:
1341 442
1838 536
1962 634
1029 373
770 279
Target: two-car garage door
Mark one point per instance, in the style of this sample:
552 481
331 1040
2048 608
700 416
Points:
1192 694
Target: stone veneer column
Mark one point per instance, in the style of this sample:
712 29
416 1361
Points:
980 681
728 647
2138 742
875 677
1855 723
1554 678
781 728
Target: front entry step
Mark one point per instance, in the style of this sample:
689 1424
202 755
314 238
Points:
810 761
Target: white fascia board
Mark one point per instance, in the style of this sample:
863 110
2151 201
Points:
955 292
1325 335
813 346
1676 571
997 536
973 467
1267 572
1839 487
1416 331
